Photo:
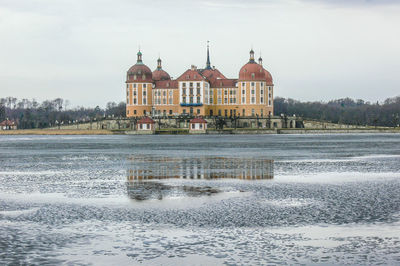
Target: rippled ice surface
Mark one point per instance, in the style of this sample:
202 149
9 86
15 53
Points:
333 199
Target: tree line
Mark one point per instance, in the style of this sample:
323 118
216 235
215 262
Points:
33 114
343 111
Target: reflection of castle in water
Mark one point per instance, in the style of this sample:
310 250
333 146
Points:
145 168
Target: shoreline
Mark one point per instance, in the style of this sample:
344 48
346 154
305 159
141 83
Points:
244 131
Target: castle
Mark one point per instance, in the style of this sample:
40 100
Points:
199 92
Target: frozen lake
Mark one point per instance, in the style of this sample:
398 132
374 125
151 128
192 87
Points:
200 200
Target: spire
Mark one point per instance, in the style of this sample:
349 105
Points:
251 56
208 64
139 57
159 63
260 60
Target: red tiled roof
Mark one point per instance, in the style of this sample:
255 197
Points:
167 84
212 74
146 120
191 75
223 83
252 71
268 78
160 74
139 70
7 123
198 120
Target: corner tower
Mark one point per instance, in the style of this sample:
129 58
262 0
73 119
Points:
139 84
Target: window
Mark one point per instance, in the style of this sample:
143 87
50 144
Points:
198 99
198 111
252 84
144 93
170 112
252 112
253 91
243 99
201 126
198 90
253 100
144 86
164 93
219 112
269 102
262 113
261 91
191 90
225 100
243 92
134 85
226 112
244 112
184 100
164 112
134 93
243 84
183 85
219 100
191 84
193 126
134 112
198 85
127 101
127 112
219 92
226 92
211 100
164 101
191 99
170 93
183 90
170 100
184 111
231 100
144 101
134 101
144 112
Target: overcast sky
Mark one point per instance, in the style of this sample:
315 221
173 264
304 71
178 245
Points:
315 50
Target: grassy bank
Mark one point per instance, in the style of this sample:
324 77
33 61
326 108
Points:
56 132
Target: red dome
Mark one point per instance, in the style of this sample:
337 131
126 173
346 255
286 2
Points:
139 73
252 71
160 74
268 78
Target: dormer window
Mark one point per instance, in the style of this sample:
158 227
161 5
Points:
253 75
195 76
143 76
134 77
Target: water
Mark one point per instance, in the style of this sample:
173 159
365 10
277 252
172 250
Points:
200 200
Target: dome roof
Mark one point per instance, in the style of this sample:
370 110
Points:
252 70
139 72
159 73
268 78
